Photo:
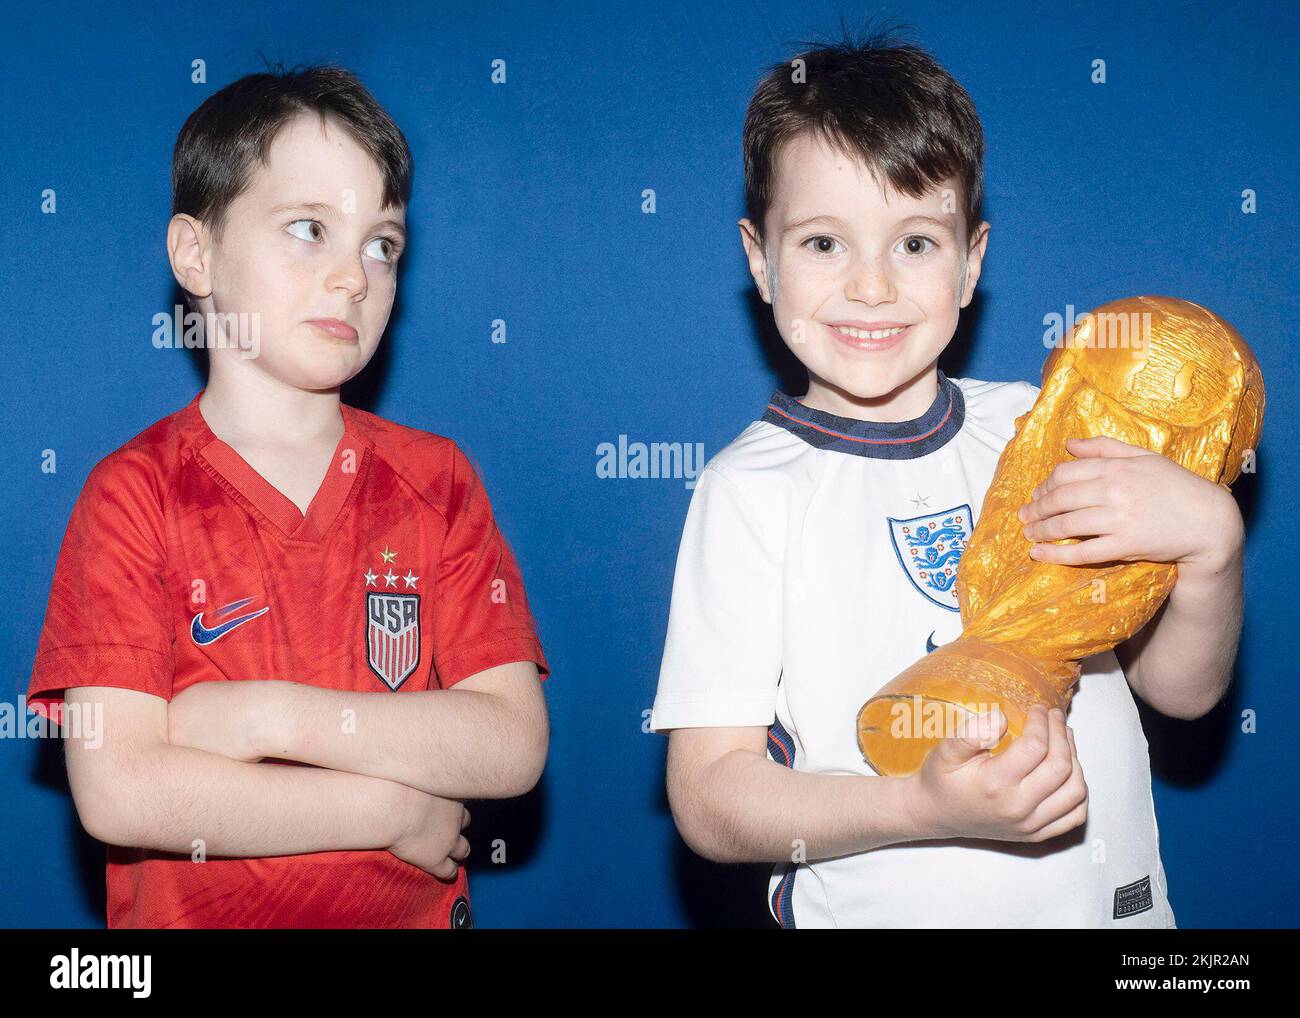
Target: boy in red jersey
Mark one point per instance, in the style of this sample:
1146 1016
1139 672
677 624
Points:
269 576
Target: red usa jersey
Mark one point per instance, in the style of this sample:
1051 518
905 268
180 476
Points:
181 564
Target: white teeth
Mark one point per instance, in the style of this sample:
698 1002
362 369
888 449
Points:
877 334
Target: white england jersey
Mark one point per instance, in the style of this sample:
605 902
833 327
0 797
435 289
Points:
818 561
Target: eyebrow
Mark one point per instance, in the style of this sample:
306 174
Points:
836 221
323 208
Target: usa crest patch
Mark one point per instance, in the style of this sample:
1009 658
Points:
929 549
392 635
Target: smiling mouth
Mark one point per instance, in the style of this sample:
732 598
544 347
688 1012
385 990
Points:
870 339
873 334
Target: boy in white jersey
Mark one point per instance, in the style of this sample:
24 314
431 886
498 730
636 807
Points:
821 549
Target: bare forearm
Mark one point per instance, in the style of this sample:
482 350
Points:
751 809
178 799
458 744
1183 661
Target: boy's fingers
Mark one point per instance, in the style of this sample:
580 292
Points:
445 870
1026 752
1075 523
1063 810
996 725
1070 472
1063 499
1071 820
1057 765
1103 445
1106 548
975 734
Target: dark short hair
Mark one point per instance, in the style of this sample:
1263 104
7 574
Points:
891 106
216 148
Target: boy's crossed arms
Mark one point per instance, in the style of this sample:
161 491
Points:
388 772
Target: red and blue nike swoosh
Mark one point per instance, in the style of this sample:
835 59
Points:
202 635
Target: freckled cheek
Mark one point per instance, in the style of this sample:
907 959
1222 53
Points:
253 285
265 275
381 290
287 293
377 306
938 285
804 290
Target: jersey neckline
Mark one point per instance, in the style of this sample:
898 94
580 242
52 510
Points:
890 440
266 499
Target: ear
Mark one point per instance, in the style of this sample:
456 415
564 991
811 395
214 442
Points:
189 251
757 259
974 262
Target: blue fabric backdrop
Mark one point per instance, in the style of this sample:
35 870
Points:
528 208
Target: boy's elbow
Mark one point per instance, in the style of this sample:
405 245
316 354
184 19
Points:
120 774
532 762
103 813
530 742
109 797
1182 705
105 824
1189 710
94 817
698 839
690 811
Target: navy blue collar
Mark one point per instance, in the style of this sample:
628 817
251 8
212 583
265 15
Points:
886 440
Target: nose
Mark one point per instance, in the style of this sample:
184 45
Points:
348 276
871 283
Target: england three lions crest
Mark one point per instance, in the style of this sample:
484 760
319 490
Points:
392 635
929 549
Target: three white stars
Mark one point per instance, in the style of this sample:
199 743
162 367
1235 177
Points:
390 579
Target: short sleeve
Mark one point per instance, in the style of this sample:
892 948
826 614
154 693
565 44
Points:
108 622
481 616
722 656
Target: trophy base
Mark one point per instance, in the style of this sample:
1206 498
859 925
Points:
926 703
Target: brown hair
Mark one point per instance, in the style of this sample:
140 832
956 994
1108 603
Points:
216 148
891 106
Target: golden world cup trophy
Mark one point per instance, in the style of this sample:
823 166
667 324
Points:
1157 372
